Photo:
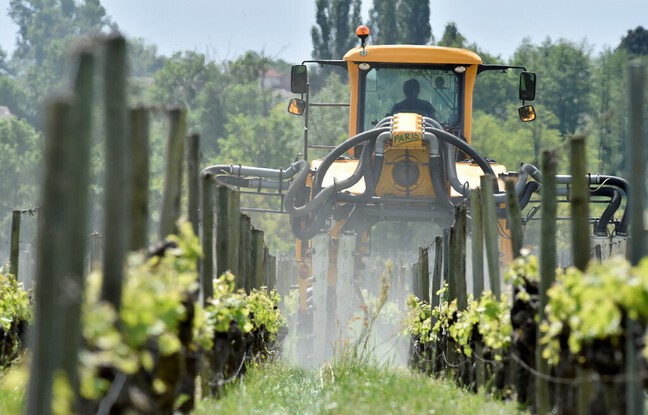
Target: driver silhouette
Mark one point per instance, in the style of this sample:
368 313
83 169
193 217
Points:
412 103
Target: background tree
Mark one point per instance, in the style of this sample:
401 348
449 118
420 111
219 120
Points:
565 83
334 29
400 22
46 29
20 161
511 142
608 122
635 41
4 65
383 24
452 37
414 22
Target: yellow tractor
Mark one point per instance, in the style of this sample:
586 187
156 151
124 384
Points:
409 158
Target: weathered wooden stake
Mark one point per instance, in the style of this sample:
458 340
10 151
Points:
458 248
438 271
139 137
234 232
446 257
636 150
547 270
581 240
425 274
78 165
224 233
270 269
173 173
416 280
95 251
257 251
193 180
489 221
52 259
514 217
207 239
477 241
579 195
243 278
118 186
15 243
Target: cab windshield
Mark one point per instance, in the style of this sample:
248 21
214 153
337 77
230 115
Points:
429 91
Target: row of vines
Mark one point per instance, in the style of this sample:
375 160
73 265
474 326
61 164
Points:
147 357
492 343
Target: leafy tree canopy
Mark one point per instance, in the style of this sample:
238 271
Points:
636 41
452 37
400 22
334 31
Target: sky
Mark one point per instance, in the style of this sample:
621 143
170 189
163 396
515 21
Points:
281 28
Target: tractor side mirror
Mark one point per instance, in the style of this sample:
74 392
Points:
298 79
296 106
527 86
527 113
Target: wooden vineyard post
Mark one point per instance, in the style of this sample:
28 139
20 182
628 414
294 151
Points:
437 278
52 254
416 278
581 241
514 217
598 253
78 165
243 278
193 180
445 275
139 137
95 251
477 240
173 173
547 271
438 271
15 243
579 196
118 192
636 155
257 251
424 270
207 238
489 221
234 235
458 251
269 277
226 234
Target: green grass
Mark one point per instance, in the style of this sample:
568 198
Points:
13 385
351 389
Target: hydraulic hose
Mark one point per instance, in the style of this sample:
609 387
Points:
341 149
305 233
455 141
600 229
236 175
527 191
609 181
299 184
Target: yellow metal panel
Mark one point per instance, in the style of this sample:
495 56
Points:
413 54
471 172
407 131
340 170
422 188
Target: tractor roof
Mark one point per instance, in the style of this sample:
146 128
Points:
413 54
